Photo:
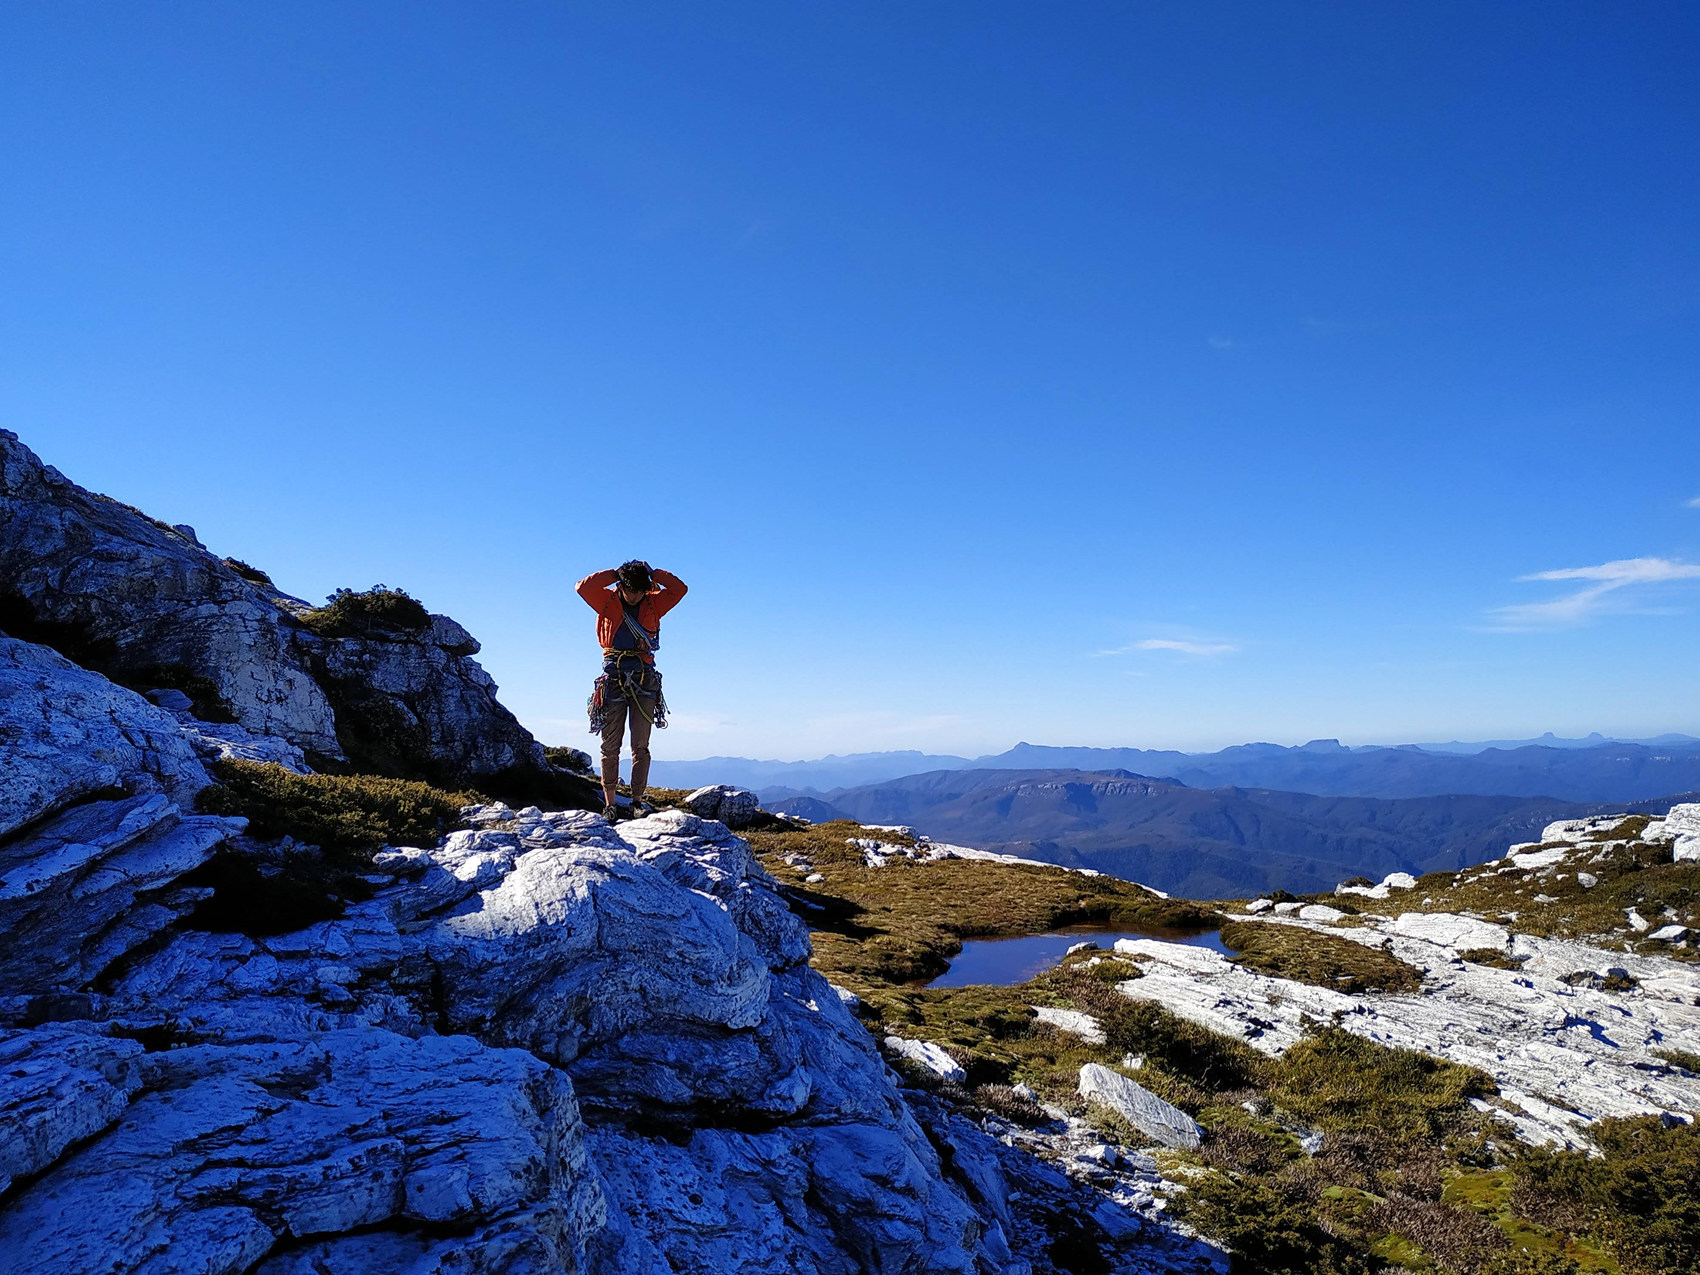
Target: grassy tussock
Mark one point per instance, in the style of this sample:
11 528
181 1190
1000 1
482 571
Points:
346 815
341 818
1305 956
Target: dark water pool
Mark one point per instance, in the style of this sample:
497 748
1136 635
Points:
1006 961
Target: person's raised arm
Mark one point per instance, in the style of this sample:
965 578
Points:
594 584
672 589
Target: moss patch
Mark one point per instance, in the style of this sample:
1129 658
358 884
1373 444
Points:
1322 960
1637 1201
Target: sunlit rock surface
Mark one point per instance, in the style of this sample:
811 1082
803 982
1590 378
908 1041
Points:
1563 1053
575 1047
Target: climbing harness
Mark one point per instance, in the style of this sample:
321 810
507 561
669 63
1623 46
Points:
620 684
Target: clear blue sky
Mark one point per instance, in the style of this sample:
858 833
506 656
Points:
1170 375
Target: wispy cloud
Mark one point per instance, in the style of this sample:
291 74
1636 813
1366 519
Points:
1595 597
1174 644
1222 342
1695 503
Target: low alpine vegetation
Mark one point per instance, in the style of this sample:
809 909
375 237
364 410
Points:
346 815
1341 1156
347 613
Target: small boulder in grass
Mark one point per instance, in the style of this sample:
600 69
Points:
928 1055
734 807
1158 1120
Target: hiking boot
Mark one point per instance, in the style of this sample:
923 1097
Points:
642 808
611 813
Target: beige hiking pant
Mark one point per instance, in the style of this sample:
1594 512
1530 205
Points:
614 734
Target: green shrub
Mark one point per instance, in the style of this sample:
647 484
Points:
1493 956
350 614
1637 1197
1392 1102
347 815
1271 1225
1681 1058
1209 1060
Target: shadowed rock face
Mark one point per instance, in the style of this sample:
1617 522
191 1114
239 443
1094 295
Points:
148 605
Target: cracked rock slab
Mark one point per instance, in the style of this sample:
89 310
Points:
1144 1110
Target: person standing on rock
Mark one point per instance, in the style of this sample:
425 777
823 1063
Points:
629 601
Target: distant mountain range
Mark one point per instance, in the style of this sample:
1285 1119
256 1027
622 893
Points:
1585 770
1203 843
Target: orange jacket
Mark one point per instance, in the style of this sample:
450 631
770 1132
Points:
610 612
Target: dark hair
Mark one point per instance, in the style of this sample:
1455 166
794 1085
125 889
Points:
635 574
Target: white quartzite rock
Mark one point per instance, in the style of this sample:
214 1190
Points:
1392 881
734 807
1460 933
1592 1050
1140 1107
928 1055
155 598
1683 822
321 1123
66 733
58 1085
1072 1020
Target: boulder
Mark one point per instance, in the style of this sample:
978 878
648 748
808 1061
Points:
734 807
1141 1108
82 890
1085 1026
928 1055
67 733
59 1084
1683 824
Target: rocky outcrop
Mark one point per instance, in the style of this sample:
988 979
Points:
734 807
544 1044
145 603
67 733
601 1049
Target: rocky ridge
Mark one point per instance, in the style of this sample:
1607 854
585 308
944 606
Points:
147 604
